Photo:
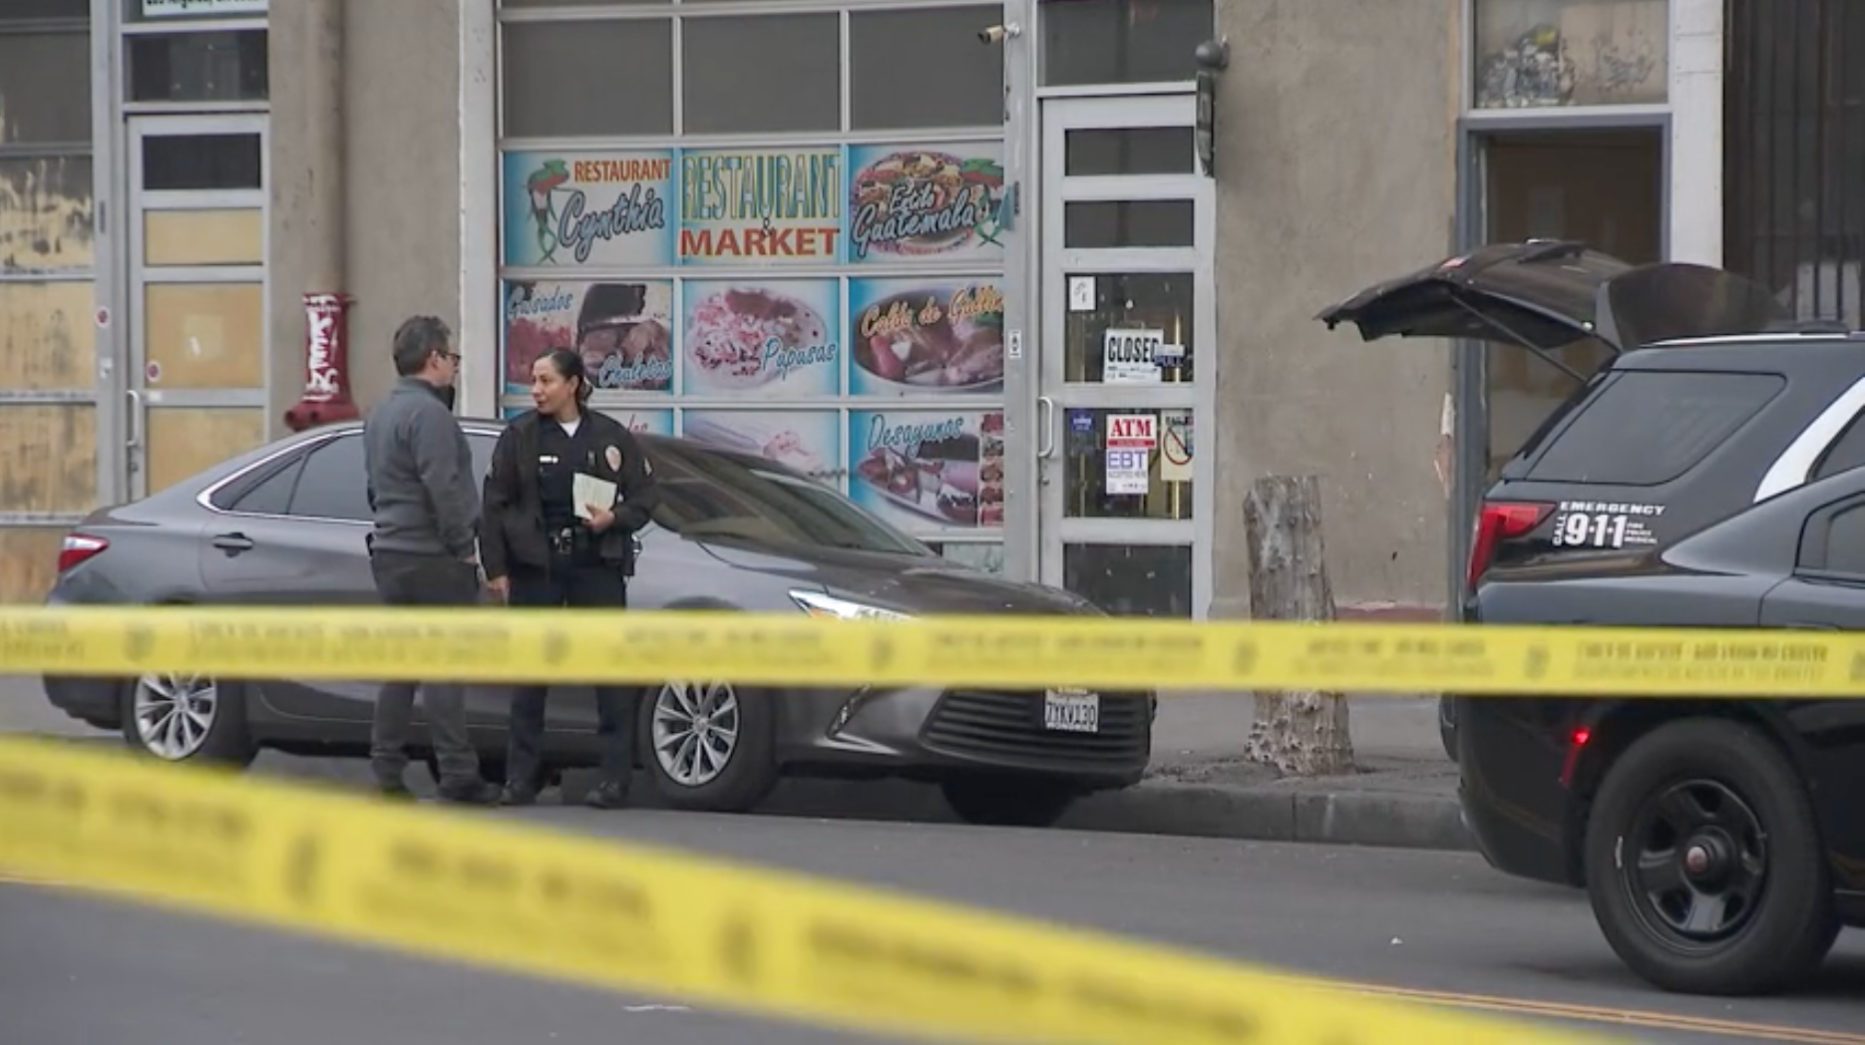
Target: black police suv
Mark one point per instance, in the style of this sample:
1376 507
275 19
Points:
1707 476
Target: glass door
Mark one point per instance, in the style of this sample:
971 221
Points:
1128 308
196 381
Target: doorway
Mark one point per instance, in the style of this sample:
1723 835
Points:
1128 304
197 362
1604 187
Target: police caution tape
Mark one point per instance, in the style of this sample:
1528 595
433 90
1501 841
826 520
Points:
630 917
567 646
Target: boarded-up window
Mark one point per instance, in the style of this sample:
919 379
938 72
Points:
48 336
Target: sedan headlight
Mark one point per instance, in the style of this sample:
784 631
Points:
816 604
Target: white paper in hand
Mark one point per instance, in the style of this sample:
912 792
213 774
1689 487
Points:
588 490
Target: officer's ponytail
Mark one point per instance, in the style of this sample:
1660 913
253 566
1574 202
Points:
569 364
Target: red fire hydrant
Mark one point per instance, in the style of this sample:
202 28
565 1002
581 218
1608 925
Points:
326 364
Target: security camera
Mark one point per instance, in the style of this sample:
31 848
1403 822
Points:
997 34
1213 54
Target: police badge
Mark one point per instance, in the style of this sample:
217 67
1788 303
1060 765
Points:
614 456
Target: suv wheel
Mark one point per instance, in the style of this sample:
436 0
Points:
1008 801
178 717
709 745
1704 862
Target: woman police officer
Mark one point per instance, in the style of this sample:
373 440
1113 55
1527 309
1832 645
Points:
541 549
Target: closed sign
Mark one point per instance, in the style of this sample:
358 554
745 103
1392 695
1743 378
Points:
1131 356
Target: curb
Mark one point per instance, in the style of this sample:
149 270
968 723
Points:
1257 814
1366 818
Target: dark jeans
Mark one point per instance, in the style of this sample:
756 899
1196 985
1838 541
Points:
423 580
596 586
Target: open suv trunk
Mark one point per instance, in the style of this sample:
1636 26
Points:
1654 445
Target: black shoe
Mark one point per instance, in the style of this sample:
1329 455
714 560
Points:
607 795
518 796
470 793
389 784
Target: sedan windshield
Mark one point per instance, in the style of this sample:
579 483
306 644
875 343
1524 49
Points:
711 495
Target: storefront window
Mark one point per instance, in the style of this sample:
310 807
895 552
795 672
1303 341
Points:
198 67
1122 41
785 74
179 11
568 79
32 113
831 304
914 69
1539 53
37 10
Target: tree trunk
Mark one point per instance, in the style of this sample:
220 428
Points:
1303 732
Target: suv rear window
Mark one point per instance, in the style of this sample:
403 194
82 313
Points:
1648 427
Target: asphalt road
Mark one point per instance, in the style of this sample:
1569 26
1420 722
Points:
81 970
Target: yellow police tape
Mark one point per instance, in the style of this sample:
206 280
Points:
1019 651
460 886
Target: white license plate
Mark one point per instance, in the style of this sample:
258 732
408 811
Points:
1072 711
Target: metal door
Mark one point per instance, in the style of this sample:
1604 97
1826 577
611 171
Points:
196 379
1128 308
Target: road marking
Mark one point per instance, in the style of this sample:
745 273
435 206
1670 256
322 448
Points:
1605 1014
1486 1002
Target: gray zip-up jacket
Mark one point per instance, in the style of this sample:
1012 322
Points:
421 483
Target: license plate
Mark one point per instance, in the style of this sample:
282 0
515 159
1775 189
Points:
1072 711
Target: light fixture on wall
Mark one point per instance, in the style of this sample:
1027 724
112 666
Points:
1213 57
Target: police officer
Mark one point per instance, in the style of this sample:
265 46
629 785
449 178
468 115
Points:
540 548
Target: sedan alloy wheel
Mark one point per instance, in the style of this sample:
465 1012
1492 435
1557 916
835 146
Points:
694 731
174 714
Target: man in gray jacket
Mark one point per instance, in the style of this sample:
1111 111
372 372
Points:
424 549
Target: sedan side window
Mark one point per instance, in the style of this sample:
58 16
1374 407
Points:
270 495
333 483
1835 541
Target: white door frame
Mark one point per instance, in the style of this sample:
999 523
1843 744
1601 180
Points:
1054 396
139 398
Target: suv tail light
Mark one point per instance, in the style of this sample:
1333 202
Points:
1500 521
79 547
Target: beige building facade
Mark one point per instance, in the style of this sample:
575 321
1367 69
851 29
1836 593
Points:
981 265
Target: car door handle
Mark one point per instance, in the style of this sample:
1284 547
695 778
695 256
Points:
233 543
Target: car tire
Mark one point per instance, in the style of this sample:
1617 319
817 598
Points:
209 730
1725 791
730 767
1447 727
1002 801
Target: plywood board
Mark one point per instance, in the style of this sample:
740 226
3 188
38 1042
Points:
185 440
45 214
48 336
28 562
48 457
204 335
203 237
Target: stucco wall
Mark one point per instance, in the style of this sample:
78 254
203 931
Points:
1336 169
402 187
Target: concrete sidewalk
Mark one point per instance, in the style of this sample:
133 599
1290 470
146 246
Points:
1404 794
